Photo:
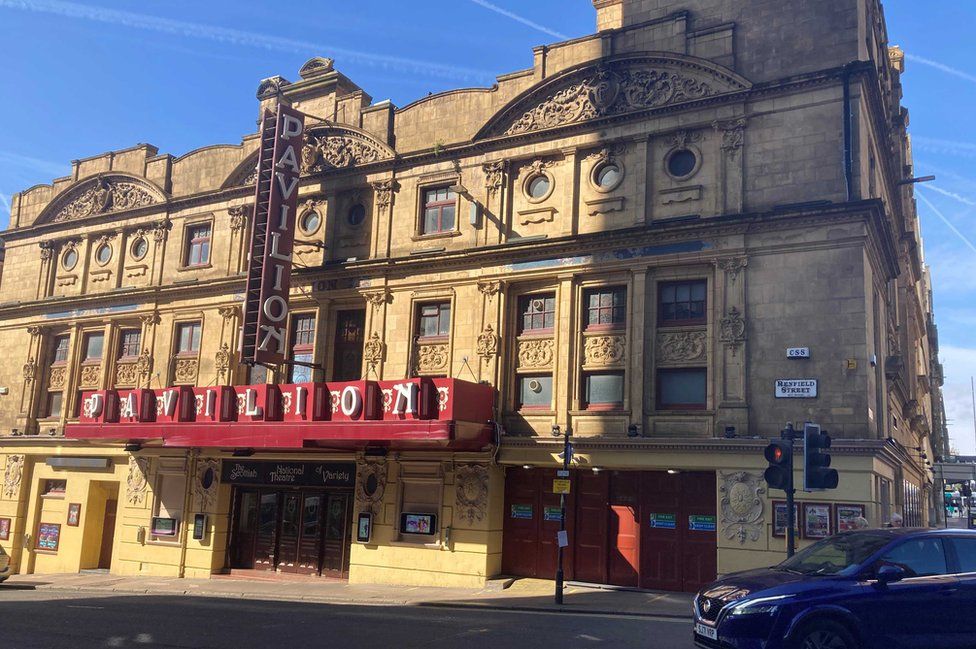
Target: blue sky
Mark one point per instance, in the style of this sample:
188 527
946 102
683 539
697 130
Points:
81 78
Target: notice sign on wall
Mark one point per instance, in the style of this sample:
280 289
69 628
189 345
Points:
796 388
663 521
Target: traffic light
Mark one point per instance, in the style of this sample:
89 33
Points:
816 460
779 454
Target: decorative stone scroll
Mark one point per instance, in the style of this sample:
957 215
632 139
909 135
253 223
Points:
370 486
90 375
494 176
378 297
535 353
681 346
104 193
137 480
373 351
12 475
222 361
489 288
732 266
733 330
604 350
432 357
239 213
126 374
384 190
30 370
185 370
335 147
742 505
733 135
56 377
206 481
471 492
487 343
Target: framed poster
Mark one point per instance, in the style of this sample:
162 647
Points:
199 527
779 518
846 515
48 537
74 514
4 529
364 527
164 526
411 523
817 520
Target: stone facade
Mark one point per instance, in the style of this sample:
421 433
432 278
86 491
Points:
687 142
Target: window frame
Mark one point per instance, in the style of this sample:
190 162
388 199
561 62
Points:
424 205
178 338
522 304
658 400
51 394
607 405
189 240
297 348
440 305
56 348
122 355
521 407
691 283
614 325
85 341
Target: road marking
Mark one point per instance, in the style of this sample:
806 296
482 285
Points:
97 608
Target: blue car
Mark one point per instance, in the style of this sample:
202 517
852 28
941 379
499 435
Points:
887 588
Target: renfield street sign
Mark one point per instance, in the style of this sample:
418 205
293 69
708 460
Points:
796 388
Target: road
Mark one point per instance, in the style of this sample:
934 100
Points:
43 619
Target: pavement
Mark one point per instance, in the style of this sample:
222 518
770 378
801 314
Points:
534 595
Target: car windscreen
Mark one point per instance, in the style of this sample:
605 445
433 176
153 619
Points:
834 555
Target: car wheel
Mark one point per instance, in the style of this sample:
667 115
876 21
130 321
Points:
824 635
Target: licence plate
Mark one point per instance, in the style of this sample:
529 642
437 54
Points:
704 630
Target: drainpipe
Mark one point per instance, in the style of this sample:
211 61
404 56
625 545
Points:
848 134
191 467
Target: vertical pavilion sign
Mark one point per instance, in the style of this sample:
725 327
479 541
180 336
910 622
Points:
272 237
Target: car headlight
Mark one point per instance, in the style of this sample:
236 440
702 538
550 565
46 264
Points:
758 606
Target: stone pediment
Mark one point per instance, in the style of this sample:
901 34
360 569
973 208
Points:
109 192
613 87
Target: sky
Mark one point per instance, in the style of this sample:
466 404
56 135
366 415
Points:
85 77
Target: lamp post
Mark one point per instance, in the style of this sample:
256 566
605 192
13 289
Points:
567 458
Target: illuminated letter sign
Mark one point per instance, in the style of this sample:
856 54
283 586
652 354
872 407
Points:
272 237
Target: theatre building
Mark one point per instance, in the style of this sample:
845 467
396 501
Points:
666 239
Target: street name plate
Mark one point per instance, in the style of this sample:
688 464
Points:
798 352
796 388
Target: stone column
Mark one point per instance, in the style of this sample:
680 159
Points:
731 357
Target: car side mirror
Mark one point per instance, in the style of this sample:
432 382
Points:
889 574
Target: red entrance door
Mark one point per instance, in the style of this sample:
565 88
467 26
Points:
590 544
624 559
531 524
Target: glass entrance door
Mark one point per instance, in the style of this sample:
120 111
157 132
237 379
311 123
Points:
338 535
264 547
245 530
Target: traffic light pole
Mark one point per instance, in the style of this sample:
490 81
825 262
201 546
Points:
789 435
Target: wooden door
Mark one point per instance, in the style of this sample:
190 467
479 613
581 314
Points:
267 534
347 359
661 533
531 523
338 534
624 559
290 531
244 532
310 543
108 534
590 544
699 558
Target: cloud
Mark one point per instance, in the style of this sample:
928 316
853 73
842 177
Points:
11 159
962 74
242 38
952 195
960 365
950 147
945 220
520 19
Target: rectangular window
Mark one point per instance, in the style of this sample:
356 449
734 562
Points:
606 308
188 338
55 487
129 340
303 341
682 389
604 391
198 245
93 346
54 401
440 205
434 320
535 392
61 349
168 504
538 313
682 303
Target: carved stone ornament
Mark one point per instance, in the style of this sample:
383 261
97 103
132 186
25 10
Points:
90 375
432 357
378 298
316 67
681 346
161 230
682 139
126 374
733 330
613 89
535 354
185 370
239 214
604 350
471 492
373 351
487 343
12 475
494 176
222 361
206 481
733 135
338 148
228 312
144 363
55 380
384 190
271 87
105 193
370 486
732 267
47 249
30 370
606 155
489 288
34 331
742 505
150 319
137 480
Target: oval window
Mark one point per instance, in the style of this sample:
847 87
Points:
140 247
69 259
682 163
608 176
371 485
207 479
311 221
539 186
104 253
356 215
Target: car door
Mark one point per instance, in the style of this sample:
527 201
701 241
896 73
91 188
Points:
916 612
961 552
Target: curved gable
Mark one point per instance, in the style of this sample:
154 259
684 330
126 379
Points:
106 192
610 87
